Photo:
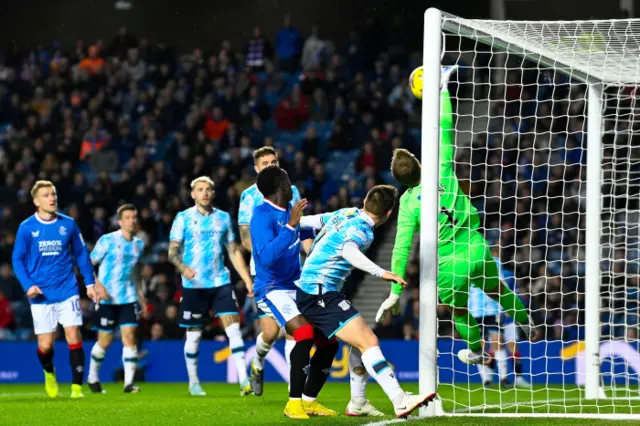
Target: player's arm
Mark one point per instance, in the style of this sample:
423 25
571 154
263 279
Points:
176 238
316 221
268 243
99 251
352 253
407 227
244 220
236 256
19 261
95 290
137 280
447 133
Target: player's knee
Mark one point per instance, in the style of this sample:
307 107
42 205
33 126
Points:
104 339
72 335
45 346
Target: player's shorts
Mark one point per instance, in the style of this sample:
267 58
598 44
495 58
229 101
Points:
196 302
329 312
261 313
511 333
280 305
112 316
488 324
46 317
465 259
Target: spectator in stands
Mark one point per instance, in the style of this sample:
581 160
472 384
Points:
288 46
258 51
293 110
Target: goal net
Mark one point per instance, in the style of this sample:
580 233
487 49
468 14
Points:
548 150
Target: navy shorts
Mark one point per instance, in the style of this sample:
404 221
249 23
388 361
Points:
196 302
488 324
328 312
112 316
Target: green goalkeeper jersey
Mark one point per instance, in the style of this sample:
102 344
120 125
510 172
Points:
456 211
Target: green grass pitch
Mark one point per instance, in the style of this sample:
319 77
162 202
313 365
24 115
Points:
170 404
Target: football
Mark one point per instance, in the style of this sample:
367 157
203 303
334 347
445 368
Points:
415 82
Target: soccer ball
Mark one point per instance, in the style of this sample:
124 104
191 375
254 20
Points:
415 82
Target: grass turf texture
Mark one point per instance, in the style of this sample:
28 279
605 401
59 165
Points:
160 404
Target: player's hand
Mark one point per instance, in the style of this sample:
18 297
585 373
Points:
93 294
142 302
101 290
188 273
391 304
33 292
296 213
390 276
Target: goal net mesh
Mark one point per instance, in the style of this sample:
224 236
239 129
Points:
520 101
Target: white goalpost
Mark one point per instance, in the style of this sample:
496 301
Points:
548 149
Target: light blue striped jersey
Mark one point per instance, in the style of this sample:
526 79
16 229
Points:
117 258
204 240
325 265
249 200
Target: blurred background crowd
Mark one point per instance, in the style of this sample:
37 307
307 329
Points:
122 120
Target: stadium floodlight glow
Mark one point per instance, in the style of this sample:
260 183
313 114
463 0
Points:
539 91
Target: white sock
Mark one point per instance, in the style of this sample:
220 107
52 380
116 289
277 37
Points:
358 381
191 345
262 349
288 347
237 350
97 356
129 359
501 360
485 372
379 369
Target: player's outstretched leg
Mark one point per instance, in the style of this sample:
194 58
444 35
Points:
469 330
191 352
514 307
303 335
45 356
76 359
264 343
357 333
129 357
231 325
319 369
359 406
98 352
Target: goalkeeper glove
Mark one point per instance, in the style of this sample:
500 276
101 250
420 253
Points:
392 303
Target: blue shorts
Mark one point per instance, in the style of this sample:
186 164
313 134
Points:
196 302
112 316
328 312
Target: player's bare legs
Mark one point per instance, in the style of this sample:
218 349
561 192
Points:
97 357
358 334
76 359
45 355
231 325
271 332
303 390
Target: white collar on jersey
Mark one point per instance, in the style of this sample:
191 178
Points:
274 205
44 221
367 218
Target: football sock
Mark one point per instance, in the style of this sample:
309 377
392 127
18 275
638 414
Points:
359 378
378 367
501 360
76 359
288 347
191 345
237 350
485 372
300 360
46 359
262 349
130 360
97 357
320 366
469 330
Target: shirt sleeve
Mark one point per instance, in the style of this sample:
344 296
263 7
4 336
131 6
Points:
296 194
307 234
100 250
316 221
246 208
230 236
19 257
81 254
140 250
407 227
177 229
356 236
447 132
269 245
351 253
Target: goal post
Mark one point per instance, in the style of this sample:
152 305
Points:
544 97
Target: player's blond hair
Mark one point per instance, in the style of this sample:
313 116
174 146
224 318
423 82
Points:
205 179
405 168
39 185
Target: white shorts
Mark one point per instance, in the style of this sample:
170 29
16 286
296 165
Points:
46 317
280 305
510 332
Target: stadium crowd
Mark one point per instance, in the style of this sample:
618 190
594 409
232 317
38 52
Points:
127 121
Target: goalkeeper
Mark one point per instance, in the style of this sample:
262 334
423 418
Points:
464 256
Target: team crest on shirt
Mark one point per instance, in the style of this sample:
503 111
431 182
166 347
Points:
62 230
344 305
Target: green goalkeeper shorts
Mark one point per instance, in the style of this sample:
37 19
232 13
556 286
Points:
465 260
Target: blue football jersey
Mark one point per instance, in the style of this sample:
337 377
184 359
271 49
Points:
45 253
249 200
204 240
118 258
325 265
